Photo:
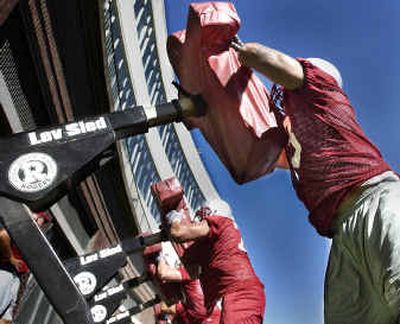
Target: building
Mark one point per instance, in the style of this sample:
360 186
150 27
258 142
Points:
63 60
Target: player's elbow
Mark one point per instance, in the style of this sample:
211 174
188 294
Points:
203 230
165 276
293 82
162 275
163 272
291 74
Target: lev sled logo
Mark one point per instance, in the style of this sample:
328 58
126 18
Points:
86 282
32 172
99 313
67 131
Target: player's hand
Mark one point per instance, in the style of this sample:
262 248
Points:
17 263
165 309
249 53
192 104
236 43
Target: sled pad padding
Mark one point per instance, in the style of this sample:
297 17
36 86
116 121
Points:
239 123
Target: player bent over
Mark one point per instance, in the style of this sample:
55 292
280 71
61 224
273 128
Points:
191 310
219 260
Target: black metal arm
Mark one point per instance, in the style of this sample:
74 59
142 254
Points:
125 317
36 166
104 304
35 169
93 271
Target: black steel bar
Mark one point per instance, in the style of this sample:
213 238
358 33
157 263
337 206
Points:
44 263
105 303
37 166
124 318
93 271
134 282
138 244
37 169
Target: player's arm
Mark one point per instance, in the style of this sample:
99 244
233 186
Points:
5 245
187 232
167 273
6 250
181 232
276 66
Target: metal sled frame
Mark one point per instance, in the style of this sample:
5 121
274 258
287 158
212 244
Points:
38 167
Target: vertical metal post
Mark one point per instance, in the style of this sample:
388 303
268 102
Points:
44 263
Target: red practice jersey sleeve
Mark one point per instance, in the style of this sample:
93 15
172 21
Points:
239 124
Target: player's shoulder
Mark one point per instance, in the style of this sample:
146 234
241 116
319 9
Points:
219 220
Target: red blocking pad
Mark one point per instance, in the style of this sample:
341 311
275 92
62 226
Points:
239 124
169 195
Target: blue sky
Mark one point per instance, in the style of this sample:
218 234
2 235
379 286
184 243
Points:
360 38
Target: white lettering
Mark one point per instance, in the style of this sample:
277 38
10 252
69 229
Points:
33 139
45 137
82 126
122 315
100 296
88 259
72 129
108 293
115 290
101 123
68 130
56 133
100 255
91 126
111 251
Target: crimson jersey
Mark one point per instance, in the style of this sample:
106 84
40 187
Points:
225 265
194 306
192 310
181 316
328 152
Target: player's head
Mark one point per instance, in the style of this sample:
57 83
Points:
216 207
328 68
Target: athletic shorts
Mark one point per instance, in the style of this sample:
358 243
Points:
362 283
244 307
9 285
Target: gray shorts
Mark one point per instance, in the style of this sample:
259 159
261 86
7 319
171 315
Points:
362 283
9 285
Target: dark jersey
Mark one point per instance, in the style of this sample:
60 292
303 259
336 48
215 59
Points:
328 152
